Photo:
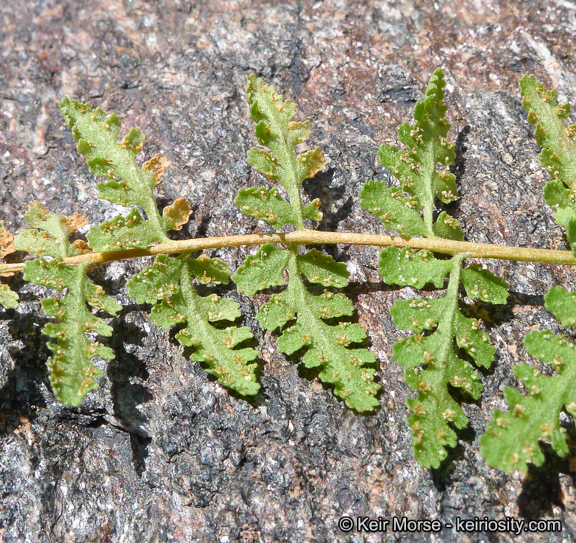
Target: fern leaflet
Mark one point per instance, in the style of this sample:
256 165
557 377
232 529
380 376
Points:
72 375
431 355
558 155
512 439
327 346
168 281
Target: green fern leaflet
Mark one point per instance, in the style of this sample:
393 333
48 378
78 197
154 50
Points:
167 284
307 316
72 375
512 439
558 155
434 356
327 346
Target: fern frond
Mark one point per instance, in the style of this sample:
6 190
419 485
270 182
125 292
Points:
432 359
512 439
8 298
445 347
72 375
558 155
168 286
327 346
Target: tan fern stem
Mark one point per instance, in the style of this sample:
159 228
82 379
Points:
310 237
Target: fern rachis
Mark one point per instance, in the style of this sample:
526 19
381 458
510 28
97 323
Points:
439 354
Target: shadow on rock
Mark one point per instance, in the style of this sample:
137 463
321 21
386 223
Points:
127 374
541 488
22 391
